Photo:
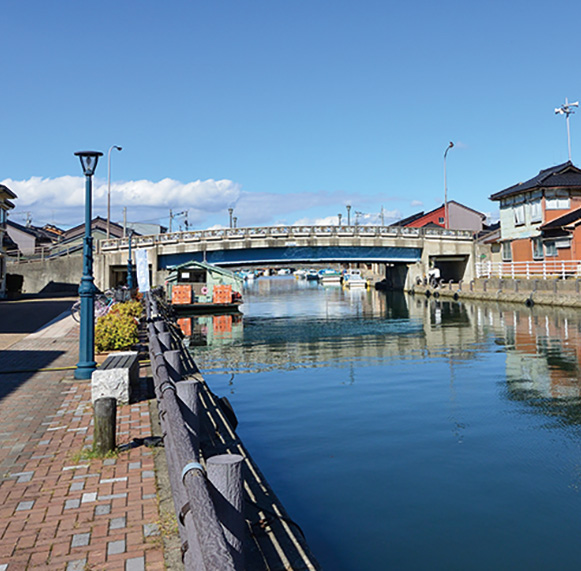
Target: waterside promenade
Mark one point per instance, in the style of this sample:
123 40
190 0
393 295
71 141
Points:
60 509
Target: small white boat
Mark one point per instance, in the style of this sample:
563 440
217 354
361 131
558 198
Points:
330 277
353 278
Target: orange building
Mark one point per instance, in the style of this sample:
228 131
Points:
539 218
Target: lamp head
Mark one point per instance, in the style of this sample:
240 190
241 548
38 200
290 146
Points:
89 160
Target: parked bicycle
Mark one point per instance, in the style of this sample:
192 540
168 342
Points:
103 303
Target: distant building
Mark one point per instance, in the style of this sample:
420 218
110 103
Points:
146 229
540 218
72 239
31 239
460 217
6 204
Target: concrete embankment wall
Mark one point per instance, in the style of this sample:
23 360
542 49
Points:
559 293
57 273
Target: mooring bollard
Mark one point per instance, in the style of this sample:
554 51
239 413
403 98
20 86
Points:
225 476
105 419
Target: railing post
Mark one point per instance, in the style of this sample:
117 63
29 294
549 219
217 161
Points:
225 476
528 271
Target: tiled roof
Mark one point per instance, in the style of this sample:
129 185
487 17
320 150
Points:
564 175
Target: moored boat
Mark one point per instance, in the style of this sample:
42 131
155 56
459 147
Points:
353 279
330 277
199 287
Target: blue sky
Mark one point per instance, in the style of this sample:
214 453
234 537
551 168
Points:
286 110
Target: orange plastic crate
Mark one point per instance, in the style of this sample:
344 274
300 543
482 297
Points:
181 294
222 294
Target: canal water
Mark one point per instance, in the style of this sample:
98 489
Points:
407 433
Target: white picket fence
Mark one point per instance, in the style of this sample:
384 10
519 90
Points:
541 269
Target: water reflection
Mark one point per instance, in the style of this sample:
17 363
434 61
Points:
452 415
289 324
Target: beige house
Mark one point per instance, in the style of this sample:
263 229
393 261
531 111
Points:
6 197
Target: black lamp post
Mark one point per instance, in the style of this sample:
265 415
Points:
86 364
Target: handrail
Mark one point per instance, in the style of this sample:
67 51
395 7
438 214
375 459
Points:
282 232
205 546
538 268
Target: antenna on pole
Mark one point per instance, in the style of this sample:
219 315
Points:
566 110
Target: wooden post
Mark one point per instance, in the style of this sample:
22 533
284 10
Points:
225 476
165 340
105 418
190 404
174 364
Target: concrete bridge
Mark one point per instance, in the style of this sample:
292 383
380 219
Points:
401 254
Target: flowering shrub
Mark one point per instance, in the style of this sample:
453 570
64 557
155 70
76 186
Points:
117 329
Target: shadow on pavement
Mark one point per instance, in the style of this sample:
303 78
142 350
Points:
29 315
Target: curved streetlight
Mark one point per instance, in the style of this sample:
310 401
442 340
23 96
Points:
109 185
87 364
446 224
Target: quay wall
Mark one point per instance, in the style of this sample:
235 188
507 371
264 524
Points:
552 292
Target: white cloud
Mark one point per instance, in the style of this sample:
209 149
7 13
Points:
62 199
416 203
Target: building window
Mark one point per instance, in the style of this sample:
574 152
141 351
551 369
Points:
537 249
441 220
563 243
506 252
536 211
557 200
519 215
550 249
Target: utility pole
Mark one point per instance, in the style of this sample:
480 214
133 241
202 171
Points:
124 221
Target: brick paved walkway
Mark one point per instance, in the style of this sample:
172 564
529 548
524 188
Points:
59 509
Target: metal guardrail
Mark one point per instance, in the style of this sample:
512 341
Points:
282 233
204 543
42 253
536 269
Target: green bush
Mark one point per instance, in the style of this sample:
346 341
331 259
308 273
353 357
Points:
117 330
133 308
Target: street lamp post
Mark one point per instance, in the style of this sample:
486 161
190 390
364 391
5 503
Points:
446 223
130 265
339 216
86 364
109 186
348 215
566 110
230 212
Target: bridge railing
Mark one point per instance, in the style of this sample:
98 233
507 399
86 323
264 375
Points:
282 233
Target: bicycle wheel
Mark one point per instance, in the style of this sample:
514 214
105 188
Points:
76 311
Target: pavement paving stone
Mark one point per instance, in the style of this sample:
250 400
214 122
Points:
60 509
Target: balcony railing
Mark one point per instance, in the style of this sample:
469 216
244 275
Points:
538 269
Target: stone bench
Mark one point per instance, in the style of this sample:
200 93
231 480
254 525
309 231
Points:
116 377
